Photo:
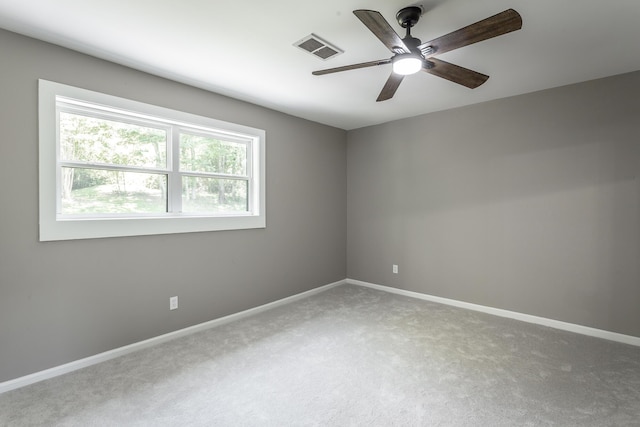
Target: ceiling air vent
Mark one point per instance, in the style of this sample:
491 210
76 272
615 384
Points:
318 47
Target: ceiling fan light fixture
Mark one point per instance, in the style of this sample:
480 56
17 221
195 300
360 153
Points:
407 63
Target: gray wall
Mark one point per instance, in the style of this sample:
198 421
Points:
61 301
530 204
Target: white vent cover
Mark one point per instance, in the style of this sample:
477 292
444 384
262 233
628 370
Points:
318 47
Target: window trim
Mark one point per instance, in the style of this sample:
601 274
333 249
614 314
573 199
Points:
53 227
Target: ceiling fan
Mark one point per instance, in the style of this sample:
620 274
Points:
410 55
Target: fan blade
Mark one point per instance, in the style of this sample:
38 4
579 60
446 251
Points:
379 26
351 67
496 25
455 73
390 87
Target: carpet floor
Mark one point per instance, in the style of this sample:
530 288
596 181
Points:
350 356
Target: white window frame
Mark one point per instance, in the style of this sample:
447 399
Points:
55 226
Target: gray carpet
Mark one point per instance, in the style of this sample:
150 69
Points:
351 356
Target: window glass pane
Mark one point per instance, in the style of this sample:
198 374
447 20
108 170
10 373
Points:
207 154
97 140
202 195
95 191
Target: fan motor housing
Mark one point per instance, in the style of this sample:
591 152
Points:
412 43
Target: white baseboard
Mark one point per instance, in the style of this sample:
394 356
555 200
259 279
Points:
571 327
121 351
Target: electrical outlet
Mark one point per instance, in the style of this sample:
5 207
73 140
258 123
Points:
173 303
395 269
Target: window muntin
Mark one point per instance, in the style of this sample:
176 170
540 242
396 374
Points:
123 168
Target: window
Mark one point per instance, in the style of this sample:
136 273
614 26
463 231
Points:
114 167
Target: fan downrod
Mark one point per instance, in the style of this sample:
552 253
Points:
409 16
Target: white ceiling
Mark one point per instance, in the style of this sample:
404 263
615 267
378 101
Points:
244 49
